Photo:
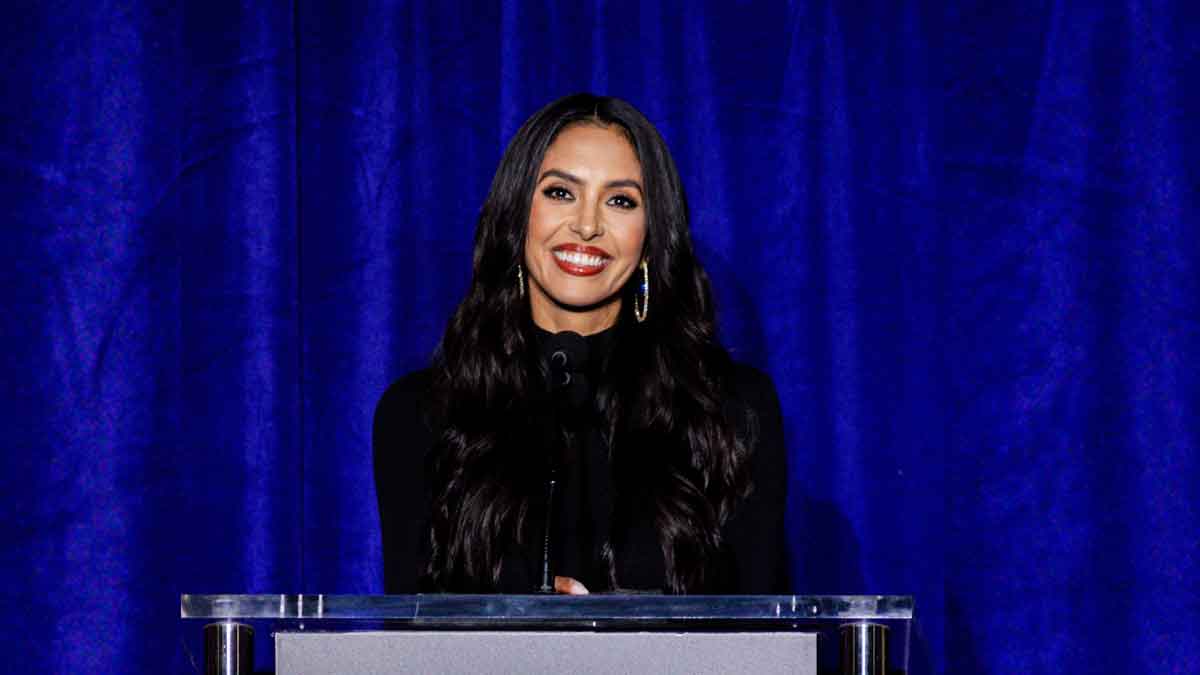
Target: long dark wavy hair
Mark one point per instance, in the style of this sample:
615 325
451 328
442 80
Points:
672 444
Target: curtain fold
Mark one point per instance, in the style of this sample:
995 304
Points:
1076 297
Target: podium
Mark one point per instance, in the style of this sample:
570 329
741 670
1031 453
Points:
601 633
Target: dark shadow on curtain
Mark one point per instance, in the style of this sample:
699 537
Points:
961 655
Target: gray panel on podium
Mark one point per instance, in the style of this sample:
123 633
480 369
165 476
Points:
387 652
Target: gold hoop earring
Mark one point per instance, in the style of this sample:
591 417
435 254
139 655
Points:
520 281
640 313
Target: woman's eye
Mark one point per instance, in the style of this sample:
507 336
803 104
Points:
621 201
557 193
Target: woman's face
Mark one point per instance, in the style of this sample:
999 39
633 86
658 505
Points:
587 223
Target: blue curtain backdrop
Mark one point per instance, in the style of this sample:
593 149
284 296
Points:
963 240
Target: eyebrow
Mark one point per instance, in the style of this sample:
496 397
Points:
570 178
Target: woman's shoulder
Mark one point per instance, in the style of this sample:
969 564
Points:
402 416
749 378
753 387
407 394
759 417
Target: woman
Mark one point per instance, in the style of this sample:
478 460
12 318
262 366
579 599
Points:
580 422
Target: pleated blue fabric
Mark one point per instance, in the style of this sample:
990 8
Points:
964 239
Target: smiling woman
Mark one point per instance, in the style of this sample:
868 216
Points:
568 436
586 229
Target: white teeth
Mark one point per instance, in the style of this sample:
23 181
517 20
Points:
581 259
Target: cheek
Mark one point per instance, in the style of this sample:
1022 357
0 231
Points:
538 227
635 241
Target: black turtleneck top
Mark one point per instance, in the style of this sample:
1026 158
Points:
756 553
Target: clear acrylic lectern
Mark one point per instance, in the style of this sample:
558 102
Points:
317 634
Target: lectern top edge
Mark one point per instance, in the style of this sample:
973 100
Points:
507 608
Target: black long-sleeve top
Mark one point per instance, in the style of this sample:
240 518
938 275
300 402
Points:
755 555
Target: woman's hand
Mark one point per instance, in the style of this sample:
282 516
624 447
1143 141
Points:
569 586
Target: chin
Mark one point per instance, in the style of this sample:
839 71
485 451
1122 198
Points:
579 301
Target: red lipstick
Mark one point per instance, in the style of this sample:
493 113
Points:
579 260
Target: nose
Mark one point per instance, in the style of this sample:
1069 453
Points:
588 225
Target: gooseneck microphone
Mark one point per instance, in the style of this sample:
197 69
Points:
547 575
566 355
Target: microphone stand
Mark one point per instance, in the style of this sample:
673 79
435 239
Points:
548 579
564 346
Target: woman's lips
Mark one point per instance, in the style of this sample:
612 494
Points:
580 261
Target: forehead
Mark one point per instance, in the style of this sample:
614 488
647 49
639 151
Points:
594 149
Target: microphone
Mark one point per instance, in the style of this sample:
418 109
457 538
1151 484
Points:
547 577
567 355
